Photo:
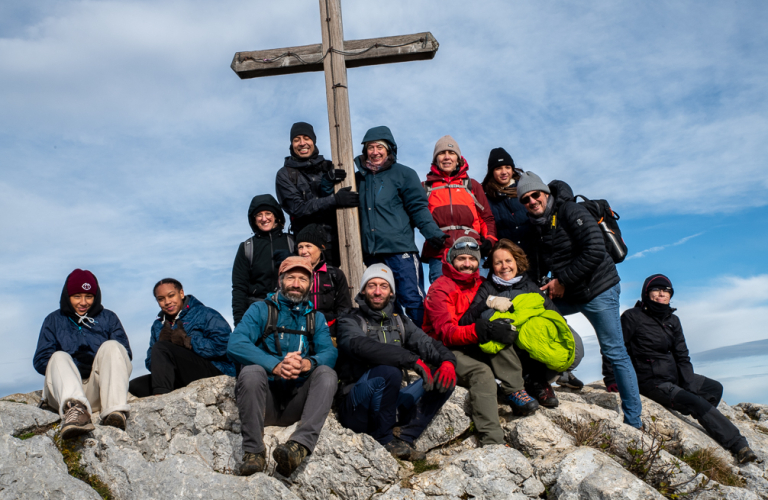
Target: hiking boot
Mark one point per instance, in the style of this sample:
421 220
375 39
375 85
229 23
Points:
746 455
253 463
568 379
115 419
288 457
77 420
522 404
545 395
404 451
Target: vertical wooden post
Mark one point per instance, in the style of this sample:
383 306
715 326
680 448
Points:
339 122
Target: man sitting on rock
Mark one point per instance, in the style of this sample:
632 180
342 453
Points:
287 376
376 345
86 359
448 299
656 344
188 342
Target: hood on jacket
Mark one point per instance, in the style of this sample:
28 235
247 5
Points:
380 133
561 191
436 174
460 278
652 308
189 302
66 306
265 202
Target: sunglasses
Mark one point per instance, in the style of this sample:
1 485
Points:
527 198
472 245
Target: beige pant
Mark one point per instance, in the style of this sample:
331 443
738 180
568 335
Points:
106 390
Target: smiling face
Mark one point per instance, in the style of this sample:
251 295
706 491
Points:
377 154
504 264
377 293
503 175
169 298
447 161
303 146
307 249
535 202
294 285
81 302
465 263
265 220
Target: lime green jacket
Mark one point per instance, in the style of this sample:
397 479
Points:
542 333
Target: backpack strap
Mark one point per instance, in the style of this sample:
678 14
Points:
272 328
248 249
465 185
291 242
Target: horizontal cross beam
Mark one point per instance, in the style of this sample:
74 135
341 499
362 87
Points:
391 49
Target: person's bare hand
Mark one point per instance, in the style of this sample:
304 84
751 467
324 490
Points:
554 289
292 362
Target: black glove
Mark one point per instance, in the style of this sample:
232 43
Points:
499 330
485 246
336 175
438 242
278 256
345 197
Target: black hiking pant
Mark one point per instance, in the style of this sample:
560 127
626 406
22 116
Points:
171 367
701 403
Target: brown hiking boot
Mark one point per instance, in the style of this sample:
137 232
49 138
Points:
404 451
288 457
253 463
76 421
115 419
746 455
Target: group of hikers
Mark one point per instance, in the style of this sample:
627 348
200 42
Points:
300 347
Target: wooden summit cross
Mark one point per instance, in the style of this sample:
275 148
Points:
333 57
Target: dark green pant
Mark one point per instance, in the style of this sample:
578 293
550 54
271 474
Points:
477 372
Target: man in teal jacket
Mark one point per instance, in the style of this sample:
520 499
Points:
392 203
287 374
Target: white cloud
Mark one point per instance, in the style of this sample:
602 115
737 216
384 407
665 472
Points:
655 249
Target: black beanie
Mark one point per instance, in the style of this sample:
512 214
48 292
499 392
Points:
313 233
303 128
499 157
656 281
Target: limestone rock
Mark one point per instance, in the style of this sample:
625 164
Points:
33 469
31 398
536 435
588 473
18 418
449 423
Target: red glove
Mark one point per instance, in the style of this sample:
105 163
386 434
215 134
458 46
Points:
426 375
445 377
614 387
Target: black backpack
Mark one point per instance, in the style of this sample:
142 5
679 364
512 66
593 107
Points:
608 220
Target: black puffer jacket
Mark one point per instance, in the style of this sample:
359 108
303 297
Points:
330 293
254 280
570 245
478 307
359 350
303 192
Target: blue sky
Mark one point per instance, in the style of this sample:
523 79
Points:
129 147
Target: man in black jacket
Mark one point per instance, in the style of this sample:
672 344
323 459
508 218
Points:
375 346
655 341
304 187
570 248
254 273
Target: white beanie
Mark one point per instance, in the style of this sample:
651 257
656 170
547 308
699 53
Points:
378 271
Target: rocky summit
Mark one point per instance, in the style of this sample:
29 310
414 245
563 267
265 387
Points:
187 444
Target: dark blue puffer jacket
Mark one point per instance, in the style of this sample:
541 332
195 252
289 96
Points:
392 203
61 332
208 330
512 221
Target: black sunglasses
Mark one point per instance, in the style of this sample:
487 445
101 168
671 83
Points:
525 199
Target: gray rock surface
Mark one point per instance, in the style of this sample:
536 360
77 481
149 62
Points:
19 418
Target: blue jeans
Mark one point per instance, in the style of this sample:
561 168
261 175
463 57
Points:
603 313
409 282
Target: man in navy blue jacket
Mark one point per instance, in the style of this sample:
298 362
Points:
86 359
287 372
188 342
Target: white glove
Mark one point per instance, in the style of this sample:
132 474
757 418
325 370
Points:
501 304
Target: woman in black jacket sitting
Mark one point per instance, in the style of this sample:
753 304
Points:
655 342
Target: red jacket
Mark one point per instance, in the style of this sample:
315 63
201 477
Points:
455 207
448 299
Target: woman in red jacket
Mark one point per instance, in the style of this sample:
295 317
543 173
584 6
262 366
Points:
457 204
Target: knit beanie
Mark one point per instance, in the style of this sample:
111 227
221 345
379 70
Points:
378 271
455 252
499 157
313 233
530 182
303 128
446 143
81 282
657 281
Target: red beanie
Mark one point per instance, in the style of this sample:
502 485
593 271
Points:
81 282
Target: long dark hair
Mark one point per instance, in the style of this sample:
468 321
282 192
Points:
494 190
